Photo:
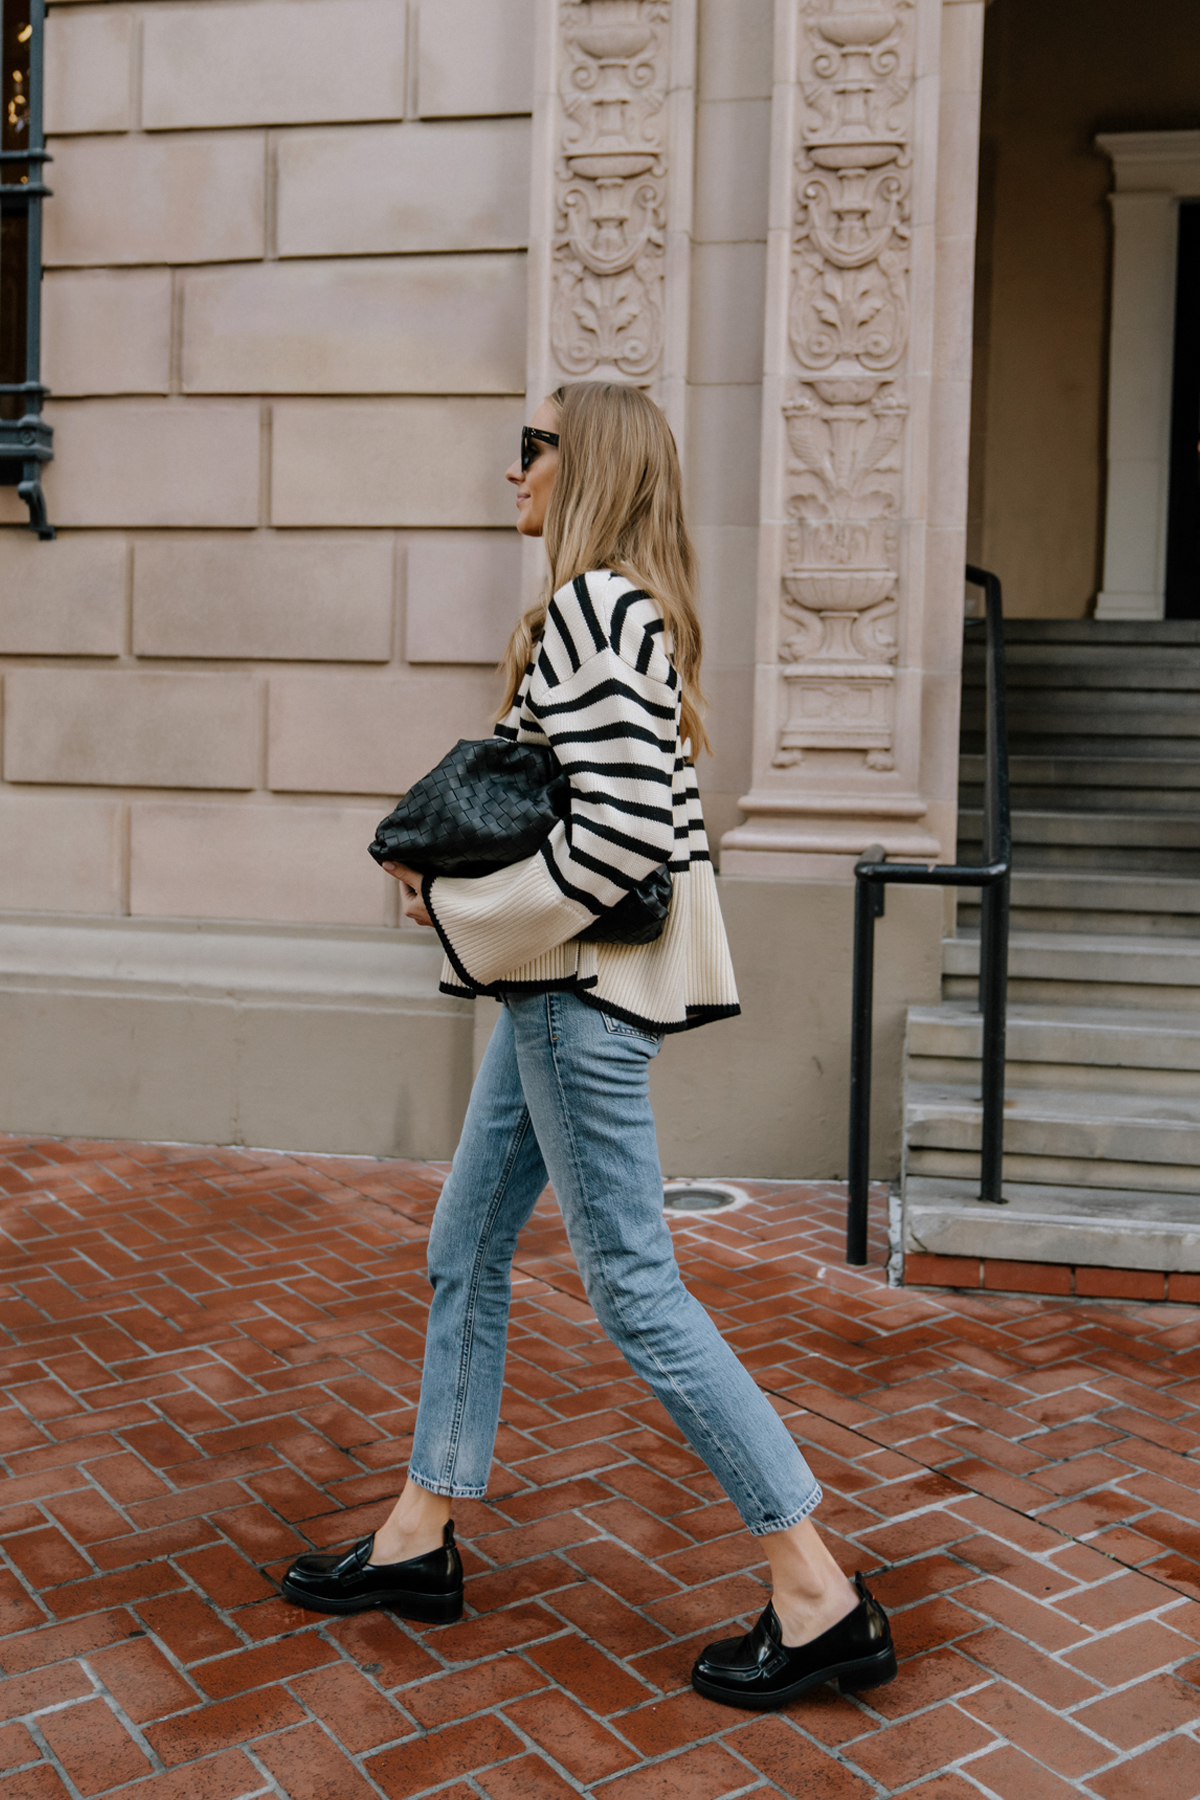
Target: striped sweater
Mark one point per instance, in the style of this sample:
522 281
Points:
602 693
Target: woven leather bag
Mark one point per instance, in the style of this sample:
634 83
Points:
490 803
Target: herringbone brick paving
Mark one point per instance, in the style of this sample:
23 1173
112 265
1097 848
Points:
211 1360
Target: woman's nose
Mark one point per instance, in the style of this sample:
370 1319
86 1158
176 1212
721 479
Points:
513 474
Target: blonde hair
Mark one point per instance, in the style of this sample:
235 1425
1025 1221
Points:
617 503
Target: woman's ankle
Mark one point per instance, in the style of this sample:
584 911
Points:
414 1527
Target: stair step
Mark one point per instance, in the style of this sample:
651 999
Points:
1084 957
1075 772
1087 901
1104 1038
1122 1228
1091 632
1179 831
1060 1136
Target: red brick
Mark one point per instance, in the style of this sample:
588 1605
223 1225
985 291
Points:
941 1271
1121 1284
290 1494
87 1516
268 1662
22 1694
355 1711
529 1778
669 1724
1170 1771
914 1747
16 1746
1124 1655
127 1478
187 1626
457 1750
453 1696
1014 1776
607 1620
1026 1277
225 1777
228 1723
1135 1715
225 1576
93 1746
310 1767
46 1559
700 1774
498 1631
40 1783
776 1748
17 1609
1112 1602
1035 1729
1184 1288
564 1731
603 1686
141 1680
629 1576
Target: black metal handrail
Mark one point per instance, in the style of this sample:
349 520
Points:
871 875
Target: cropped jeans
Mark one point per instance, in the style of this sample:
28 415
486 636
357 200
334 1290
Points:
563 1093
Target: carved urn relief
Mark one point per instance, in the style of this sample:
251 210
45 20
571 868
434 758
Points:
844 417
610 189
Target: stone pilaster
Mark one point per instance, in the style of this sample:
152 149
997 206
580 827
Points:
848 430
611 195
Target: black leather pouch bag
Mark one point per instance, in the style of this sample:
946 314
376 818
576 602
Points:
490 803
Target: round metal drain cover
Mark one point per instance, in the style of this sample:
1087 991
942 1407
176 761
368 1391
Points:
699 1196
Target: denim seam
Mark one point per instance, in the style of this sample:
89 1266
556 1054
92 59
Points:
668 1379
464 1366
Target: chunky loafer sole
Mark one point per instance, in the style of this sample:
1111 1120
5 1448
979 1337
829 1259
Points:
425 1609
760 1673
851 1677
427 1589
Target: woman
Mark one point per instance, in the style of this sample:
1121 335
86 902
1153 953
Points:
607 673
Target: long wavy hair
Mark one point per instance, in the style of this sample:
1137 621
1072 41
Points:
617 503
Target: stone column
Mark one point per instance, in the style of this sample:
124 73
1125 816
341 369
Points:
864 427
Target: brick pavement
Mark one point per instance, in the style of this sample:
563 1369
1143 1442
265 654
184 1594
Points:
210 1360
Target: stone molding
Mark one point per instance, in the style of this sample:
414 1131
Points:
1153 171
850 436
610 189
848 329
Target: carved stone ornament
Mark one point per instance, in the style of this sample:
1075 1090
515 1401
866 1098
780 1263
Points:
610 188
847 330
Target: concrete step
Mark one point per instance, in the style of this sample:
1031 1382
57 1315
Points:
1087 901
1068 1138
1069 667
1027 796
1062 968
1073 773
1057 711
1121 1228
1091 632
1133 842
1094 1037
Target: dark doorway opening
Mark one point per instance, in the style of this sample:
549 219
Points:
1183 517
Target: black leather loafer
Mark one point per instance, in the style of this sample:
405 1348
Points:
760 1672
426 1588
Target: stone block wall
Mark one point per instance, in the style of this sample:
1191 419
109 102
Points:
285 332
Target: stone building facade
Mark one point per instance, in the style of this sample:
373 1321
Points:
309 263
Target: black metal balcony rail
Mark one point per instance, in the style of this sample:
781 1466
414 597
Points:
872 875
26 440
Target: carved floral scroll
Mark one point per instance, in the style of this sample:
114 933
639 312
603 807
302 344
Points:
848 328
610 188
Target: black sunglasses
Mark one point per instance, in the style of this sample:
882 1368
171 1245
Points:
530 439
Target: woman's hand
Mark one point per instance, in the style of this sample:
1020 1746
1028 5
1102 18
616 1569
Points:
411 903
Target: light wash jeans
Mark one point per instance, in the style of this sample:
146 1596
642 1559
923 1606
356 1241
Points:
563 1091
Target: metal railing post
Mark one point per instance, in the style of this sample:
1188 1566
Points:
868 906
872 875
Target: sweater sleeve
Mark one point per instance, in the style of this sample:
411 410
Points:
612 719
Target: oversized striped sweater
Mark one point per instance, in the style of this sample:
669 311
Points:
602 693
